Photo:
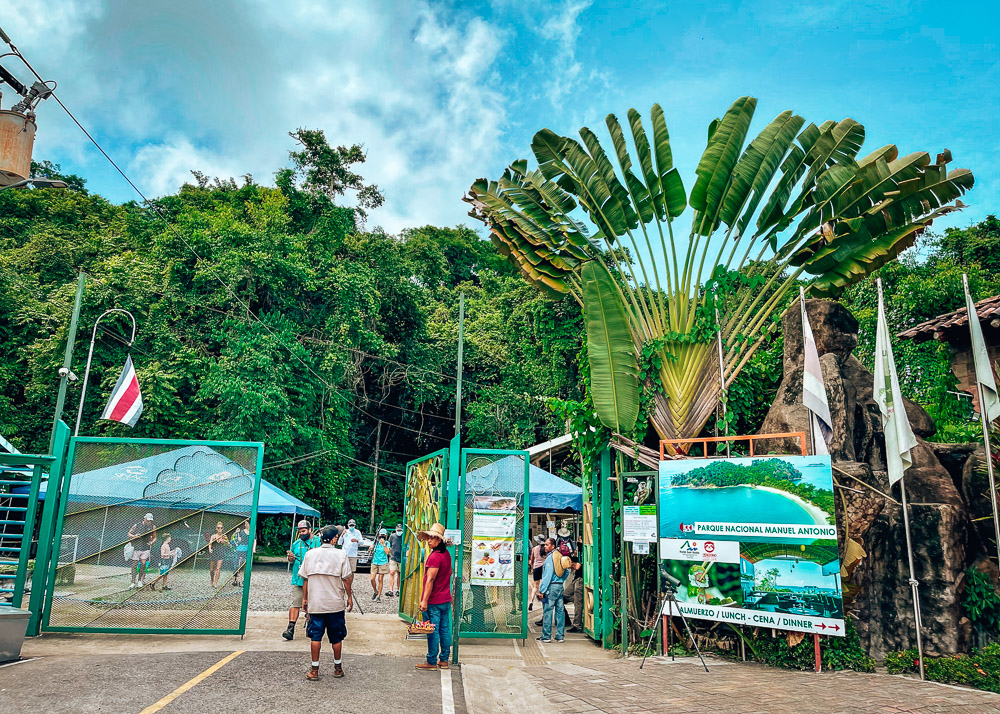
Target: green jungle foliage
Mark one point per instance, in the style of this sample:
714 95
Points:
926 282
980 669
981 602
836 652
355 327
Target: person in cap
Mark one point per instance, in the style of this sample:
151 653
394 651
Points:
395 558
537 561
349 540
435 597
379 558
326 597
143 535
553 577
305 542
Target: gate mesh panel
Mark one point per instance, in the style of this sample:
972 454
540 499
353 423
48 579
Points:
492 609
104 578
425 482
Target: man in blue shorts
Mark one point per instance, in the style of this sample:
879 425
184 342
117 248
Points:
326 598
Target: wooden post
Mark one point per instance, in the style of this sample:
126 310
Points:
819 659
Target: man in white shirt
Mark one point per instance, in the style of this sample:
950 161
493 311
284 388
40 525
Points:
326 598
350 539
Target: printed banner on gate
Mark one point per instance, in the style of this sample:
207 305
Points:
494 522
753 541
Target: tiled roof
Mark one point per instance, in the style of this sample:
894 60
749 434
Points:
988 311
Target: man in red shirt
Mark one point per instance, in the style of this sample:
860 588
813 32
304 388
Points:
435 598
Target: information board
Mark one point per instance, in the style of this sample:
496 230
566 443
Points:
494 520
753 541
640 523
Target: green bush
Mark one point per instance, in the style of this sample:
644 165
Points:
836 652
981 669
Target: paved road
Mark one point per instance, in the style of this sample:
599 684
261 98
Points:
735 688
252 682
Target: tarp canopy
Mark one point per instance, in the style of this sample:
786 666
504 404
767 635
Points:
192 476
547 492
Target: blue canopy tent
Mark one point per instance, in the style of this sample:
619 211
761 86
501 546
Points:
548 493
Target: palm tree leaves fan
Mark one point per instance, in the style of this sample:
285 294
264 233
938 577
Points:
794 204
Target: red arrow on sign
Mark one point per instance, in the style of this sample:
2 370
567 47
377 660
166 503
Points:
820 625
836 627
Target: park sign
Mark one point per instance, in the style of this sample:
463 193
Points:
753 541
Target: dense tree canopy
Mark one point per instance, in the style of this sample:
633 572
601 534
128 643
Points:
270 314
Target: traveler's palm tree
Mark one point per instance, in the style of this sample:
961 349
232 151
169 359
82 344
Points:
794 204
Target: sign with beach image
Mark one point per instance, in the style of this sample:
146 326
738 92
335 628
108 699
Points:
753 541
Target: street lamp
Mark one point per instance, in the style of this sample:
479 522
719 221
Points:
36 183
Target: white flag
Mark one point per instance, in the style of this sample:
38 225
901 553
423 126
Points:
899 438
813 388
990 403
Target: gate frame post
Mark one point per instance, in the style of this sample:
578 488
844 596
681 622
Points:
38 602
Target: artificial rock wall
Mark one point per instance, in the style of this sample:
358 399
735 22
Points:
945 541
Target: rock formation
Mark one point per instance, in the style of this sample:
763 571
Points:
868 510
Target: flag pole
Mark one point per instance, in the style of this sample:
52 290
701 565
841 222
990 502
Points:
90 356
722 379
984 417
809 414
914 583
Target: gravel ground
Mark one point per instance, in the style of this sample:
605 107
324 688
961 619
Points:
272 585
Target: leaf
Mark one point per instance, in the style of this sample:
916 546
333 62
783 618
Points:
610 351
716 165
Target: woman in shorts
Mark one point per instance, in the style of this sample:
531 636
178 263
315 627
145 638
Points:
218 546
380 564
537 562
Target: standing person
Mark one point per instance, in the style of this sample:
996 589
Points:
326 597
395 558
553 576
143 535
379 563
167 556
564 542
537 561
349 540
241 539
435 597
218 546
573 594
302 545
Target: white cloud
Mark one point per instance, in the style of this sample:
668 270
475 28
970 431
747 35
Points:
167 91
563 28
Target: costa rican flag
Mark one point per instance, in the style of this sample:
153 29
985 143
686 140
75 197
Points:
125 404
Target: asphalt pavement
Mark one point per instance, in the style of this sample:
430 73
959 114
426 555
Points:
253 681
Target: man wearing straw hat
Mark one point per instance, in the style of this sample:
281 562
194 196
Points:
553 577
435 597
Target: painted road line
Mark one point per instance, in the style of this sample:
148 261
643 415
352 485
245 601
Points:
20 661
153 708
447 696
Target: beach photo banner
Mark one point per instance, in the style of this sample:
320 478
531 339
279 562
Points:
753 541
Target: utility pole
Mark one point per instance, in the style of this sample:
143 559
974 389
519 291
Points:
461 344
378 438
65 372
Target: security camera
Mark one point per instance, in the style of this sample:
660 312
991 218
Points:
63 372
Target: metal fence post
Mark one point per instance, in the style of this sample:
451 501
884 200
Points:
46 531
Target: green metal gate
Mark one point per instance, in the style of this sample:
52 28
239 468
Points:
493 489
423 505
113 568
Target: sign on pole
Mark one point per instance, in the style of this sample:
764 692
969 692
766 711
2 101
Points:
753 541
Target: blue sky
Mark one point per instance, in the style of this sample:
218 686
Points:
441 94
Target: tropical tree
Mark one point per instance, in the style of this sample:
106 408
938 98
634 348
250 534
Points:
796 203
